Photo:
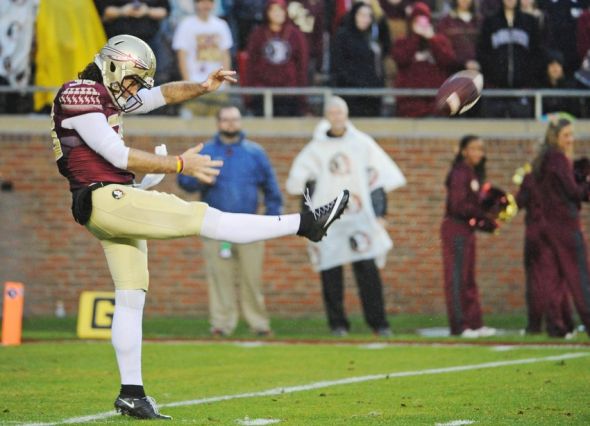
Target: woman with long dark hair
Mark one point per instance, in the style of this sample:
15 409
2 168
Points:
357 60
464 214
562 230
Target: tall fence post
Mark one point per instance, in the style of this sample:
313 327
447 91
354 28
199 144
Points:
267 100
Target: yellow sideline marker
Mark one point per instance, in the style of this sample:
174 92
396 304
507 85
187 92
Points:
95 314
12 313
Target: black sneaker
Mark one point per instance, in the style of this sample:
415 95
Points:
140 408
321 218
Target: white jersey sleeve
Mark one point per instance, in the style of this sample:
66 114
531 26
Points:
150 99
95 131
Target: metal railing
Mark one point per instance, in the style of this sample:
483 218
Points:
387 93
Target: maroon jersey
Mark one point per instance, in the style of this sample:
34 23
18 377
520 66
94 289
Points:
77 161
463 194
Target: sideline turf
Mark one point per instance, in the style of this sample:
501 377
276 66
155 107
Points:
44 382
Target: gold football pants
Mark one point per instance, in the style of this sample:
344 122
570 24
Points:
123 218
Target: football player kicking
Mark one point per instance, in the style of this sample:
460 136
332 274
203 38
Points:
91 154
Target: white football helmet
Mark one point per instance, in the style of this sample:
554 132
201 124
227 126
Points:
125 56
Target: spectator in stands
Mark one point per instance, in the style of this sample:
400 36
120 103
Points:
554 78
57 57
16 38
246 171
308 16
278 56
562 230
561 18
487 8
538 275
357 60
464 215
461 26
142 19
424 59
246 15
167 63
583 34
582 79
202 44
379 28
340 155
139 18
530 7
508 51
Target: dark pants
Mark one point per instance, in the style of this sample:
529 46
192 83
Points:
461 293
370 292
569 259
546 295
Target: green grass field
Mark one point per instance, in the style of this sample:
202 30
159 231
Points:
361 381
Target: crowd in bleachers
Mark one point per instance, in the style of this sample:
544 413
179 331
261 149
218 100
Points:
516 44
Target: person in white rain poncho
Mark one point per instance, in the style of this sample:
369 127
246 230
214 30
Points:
341 156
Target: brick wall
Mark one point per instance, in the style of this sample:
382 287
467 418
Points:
43 247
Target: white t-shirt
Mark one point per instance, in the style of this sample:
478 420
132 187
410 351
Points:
204 43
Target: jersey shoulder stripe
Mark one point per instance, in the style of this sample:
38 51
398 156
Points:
82 97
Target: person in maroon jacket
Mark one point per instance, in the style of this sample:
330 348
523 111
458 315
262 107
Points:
464 214
278 56
562 231
461 26
538 277
423 59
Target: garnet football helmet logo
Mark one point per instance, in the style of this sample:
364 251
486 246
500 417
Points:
125 57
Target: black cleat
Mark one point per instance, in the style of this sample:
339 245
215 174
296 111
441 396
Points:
140 408
324 216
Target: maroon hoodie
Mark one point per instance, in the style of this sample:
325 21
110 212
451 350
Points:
277 59
462 35
421 63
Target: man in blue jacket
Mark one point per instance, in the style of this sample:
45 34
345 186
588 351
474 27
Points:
246 170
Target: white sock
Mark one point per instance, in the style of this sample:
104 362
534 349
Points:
127 333
247 228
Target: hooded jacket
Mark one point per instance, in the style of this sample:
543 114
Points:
422 63
277 59
508 55
355 63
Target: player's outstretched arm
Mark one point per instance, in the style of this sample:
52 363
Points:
192 163
180 91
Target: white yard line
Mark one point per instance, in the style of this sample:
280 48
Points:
329 383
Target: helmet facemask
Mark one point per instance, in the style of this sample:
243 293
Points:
121 59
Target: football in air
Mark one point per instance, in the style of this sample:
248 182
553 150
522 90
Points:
459 93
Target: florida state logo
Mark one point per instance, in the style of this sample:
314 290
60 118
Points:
339 164
355 204
360 242
277 52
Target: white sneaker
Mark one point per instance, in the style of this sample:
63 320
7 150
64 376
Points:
486 331
571 335
470 334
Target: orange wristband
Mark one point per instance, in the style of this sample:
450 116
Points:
179 164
